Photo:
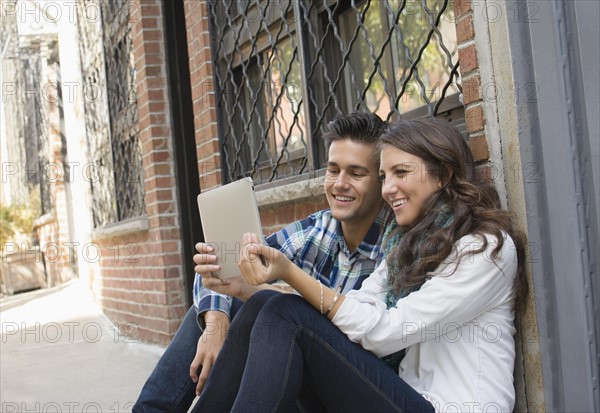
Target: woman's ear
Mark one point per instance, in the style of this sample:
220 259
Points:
448 176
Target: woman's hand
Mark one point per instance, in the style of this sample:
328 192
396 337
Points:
261 264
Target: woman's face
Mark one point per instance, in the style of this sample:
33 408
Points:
406 183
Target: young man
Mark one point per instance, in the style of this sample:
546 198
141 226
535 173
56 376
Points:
340 246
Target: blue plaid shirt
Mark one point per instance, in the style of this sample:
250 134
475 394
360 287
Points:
316 245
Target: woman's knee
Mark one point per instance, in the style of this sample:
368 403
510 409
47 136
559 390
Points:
288 308
249 311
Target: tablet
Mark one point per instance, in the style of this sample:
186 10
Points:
226 213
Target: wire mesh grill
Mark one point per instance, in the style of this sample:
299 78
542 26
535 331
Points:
123 109
285 68
111 112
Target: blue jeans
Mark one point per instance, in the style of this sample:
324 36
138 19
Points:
280 350
169 387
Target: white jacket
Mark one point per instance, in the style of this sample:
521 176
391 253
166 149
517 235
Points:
458 330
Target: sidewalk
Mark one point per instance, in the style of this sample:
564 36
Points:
58 353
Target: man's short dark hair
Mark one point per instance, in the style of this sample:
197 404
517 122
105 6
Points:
363 127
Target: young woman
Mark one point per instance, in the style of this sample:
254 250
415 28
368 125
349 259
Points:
442 305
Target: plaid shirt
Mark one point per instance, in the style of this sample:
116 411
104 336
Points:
316 245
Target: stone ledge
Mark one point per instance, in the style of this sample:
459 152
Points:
305 187
119 229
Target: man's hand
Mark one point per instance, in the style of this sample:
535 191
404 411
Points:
205 260
209 346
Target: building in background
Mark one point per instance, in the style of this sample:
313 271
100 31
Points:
114 118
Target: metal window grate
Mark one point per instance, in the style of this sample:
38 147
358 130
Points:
123 109
283 69
111 114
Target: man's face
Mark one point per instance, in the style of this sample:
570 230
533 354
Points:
352 181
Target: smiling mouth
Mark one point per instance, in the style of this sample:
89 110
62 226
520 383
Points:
343 198
399 202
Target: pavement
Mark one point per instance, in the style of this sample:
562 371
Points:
59 353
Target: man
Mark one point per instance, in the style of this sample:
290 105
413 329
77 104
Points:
340 246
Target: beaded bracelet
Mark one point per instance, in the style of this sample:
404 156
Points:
335 298
321 302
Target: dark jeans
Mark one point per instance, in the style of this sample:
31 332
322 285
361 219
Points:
280 350
169 387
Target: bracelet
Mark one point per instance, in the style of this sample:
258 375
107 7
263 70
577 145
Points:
321 302
335 298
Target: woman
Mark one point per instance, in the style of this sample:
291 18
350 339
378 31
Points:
442 305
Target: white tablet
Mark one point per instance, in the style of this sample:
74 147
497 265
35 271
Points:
226 213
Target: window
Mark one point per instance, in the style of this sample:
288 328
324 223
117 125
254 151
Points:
285 68
111 115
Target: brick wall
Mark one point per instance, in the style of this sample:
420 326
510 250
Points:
142 279
471 80
203 95
273 218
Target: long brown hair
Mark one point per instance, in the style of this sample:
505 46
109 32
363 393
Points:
472 205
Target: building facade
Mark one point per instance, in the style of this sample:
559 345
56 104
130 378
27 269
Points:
145 103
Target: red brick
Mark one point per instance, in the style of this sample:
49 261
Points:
208 181
268 217
474 118
302 210
153 59
155 106
462 7
149 23
137 39
156 95
153 35
479 148
484 173
149 10
164 195
285 214
156 222
160 156
143 110
163 182
207 132
468 59
464 29
155 143
154 78
160 131
165 207
158 118
472 90
210 166
160 169
208 148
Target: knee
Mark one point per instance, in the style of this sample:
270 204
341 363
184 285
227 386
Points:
283 316
289 307
249 311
